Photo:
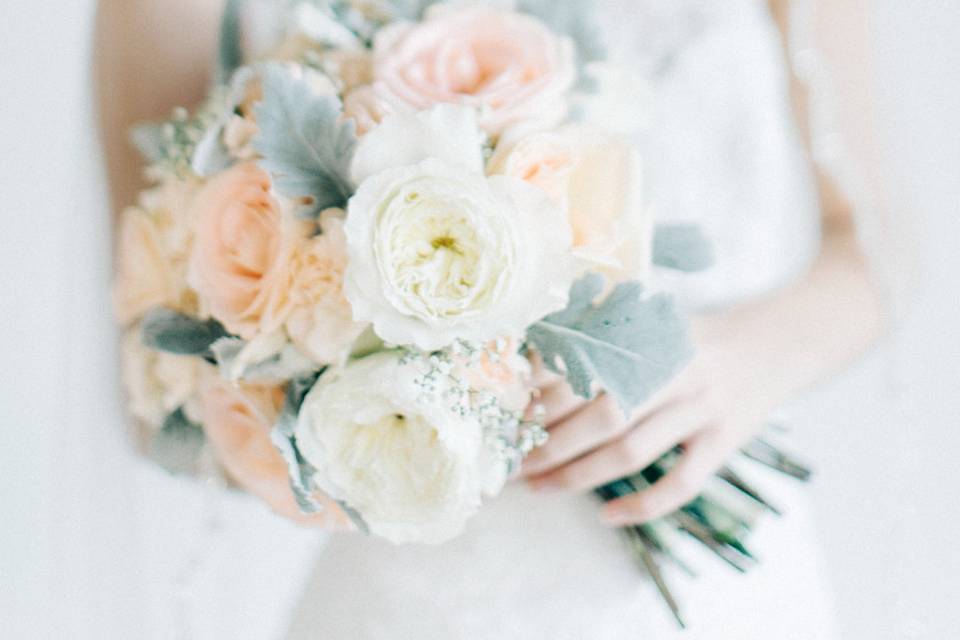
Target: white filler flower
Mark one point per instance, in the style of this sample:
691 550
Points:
438 251
413 468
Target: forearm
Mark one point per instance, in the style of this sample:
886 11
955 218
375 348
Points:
782 344
151 56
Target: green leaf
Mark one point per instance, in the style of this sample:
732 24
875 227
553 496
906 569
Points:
230 50
174 332
682 247
305 148
626 344
178 444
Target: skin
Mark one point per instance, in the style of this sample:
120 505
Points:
152 56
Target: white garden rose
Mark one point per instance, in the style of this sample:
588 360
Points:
437 250
413 468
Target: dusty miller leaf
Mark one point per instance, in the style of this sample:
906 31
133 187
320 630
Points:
626 344
230 50
300 471
148 138
178 444
682 247
174 332
305 148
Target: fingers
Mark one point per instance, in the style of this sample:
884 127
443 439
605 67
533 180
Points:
599 421
704 454
629 453
540 375
560 402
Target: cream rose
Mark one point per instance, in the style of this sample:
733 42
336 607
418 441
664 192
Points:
409 465
237 421
598 181
240 259
156 383
152 250
437 250
507 65
321 321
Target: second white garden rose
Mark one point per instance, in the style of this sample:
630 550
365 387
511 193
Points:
437 250
414 469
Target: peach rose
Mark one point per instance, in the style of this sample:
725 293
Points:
237 422
241 252
508 65
321 320
598 180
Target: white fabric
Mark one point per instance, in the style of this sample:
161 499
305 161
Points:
723 153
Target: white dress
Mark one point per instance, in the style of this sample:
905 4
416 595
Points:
723 153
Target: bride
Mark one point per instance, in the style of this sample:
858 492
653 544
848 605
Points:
738 144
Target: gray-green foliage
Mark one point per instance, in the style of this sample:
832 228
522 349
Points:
282 363
149 139
625 344
305 148
178 444
682 247
174 332
300 470
230 49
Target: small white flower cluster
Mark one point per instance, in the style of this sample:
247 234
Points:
506 433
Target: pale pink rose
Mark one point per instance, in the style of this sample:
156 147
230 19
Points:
237 421
241 253
366 107
502 371
545 160
598 180
321 320
507 65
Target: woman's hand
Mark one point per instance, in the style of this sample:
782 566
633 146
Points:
707 410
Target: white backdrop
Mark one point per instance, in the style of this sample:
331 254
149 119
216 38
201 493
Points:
886 446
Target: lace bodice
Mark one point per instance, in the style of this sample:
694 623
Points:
722 149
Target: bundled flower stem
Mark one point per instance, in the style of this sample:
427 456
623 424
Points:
716 526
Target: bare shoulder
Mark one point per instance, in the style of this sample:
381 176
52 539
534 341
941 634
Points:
149 56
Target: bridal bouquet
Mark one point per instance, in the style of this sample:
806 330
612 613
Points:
352 248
